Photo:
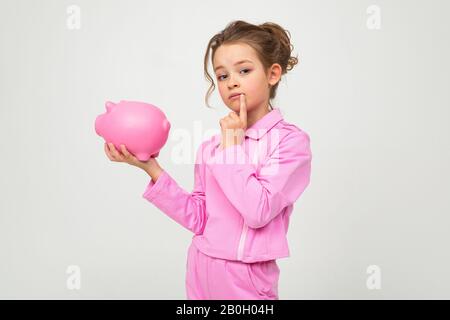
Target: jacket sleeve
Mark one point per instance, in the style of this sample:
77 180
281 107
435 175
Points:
260 197
188 209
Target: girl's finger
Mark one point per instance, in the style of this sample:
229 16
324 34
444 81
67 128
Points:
111 147
114 152
234 116
243 109
107 152
125 152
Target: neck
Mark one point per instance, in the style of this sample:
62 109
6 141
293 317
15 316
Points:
256 114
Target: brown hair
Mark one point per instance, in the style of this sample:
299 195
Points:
270 41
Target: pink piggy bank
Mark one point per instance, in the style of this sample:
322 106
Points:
142 127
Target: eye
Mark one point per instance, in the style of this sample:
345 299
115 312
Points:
220 77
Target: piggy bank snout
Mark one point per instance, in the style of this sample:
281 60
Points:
99 125
166 125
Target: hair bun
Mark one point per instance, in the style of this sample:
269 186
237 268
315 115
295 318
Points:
285 47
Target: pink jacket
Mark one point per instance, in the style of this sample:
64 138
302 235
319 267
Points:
243 195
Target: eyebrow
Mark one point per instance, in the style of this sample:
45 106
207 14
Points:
239 62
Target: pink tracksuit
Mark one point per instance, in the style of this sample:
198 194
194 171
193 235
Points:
239 209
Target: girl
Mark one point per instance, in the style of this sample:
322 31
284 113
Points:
246 179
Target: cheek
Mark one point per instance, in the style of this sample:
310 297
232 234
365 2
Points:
222 89
254 85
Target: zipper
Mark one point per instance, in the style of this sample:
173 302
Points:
242 241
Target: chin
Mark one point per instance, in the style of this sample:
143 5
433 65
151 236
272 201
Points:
236 107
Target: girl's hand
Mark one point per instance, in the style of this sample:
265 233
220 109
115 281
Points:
234 125
114 155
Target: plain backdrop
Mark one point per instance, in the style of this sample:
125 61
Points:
375 103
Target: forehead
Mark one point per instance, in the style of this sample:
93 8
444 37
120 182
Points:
227 55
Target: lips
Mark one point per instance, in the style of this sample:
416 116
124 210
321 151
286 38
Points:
234 95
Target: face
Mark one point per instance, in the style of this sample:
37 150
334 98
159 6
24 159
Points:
249 77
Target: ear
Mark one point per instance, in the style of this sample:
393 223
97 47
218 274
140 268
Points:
274 74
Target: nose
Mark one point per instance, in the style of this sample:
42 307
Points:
232 83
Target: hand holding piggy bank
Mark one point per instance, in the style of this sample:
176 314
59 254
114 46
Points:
142 127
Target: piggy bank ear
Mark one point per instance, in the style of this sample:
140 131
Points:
109 105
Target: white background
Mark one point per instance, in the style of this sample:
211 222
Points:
374 102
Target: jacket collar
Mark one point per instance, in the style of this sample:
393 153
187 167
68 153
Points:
259 128
263 125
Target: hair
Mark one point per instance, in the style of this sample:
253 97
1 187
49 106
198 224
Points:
270 41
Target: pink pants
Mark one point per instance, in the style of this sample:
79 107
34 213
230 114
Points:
210 278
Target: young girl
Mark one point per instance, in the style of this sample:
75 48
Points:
246 179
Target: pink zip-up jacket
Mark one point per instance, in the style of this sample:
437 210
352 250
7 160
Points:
243 194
